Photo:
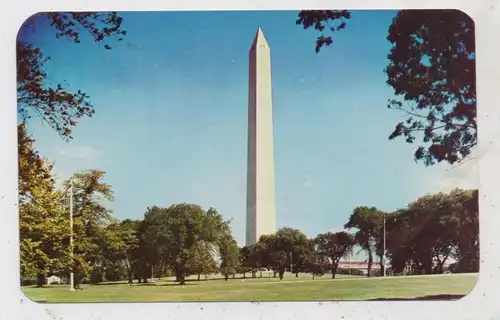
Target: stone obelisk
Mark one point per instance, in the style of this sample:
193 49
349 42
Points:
261 202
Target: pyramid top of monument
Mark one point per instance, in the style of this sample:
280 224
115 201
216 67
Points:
259 39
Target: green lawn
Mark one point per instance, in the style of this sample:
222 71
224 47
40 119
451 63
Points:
265 289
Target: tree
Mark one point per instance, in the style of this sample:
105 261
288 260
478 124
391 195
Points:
367 221
202 260
271 254
90 219
173 236
333 246
317 263
279 250
323 20
432 67
245 261
255 258
57 105
303 254
432 71
468 235
44 225
229 255
433 229
121 242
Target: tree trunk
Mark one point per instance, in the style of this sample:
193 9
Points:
382 267
234 275
313 276
370 263
130 274
40 280
254 274
296 274
199 275
281 273
226 276
180 274
274 274
244 275
77 279
260 270
428 265
334 270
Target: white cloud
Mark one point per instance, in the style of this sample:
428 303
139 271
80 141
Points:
464 175
80 152
69 159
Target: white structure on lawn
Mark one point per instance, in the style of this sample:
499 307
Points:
261 203
54 280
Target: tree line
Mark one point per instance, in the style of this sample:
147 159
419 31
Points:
185 239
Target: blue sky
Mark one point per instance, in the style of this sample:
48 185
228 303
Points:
171 111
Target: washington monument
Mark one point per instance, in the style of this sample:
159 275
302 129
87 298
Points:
261 203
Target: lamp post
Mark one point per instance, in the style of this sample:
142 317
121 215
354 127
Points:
71 274
384 253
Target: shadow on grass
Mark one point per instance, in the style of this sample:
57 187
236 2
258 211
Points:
212 279
162 284
108 284
229 279
431 297
135 283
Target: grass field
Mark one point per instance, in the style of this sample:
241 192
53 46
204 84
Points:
266 289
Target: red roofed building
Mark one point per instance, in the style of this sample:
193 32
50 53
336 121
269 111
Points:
359 265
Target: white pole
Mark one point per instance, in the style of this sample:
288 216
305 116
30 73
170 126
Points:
383 255
71 274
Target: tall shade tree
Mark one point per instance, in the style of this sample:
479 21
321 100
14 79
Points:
275 253
91 216
257 258
286 249
246 264
121 241
229 256
434 229
432 72
367 221
334 246
55 103
175 234
433 69
468 236
303 254
44 224
202 260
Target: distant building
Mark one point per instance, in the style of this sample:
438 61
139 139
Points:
359 265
